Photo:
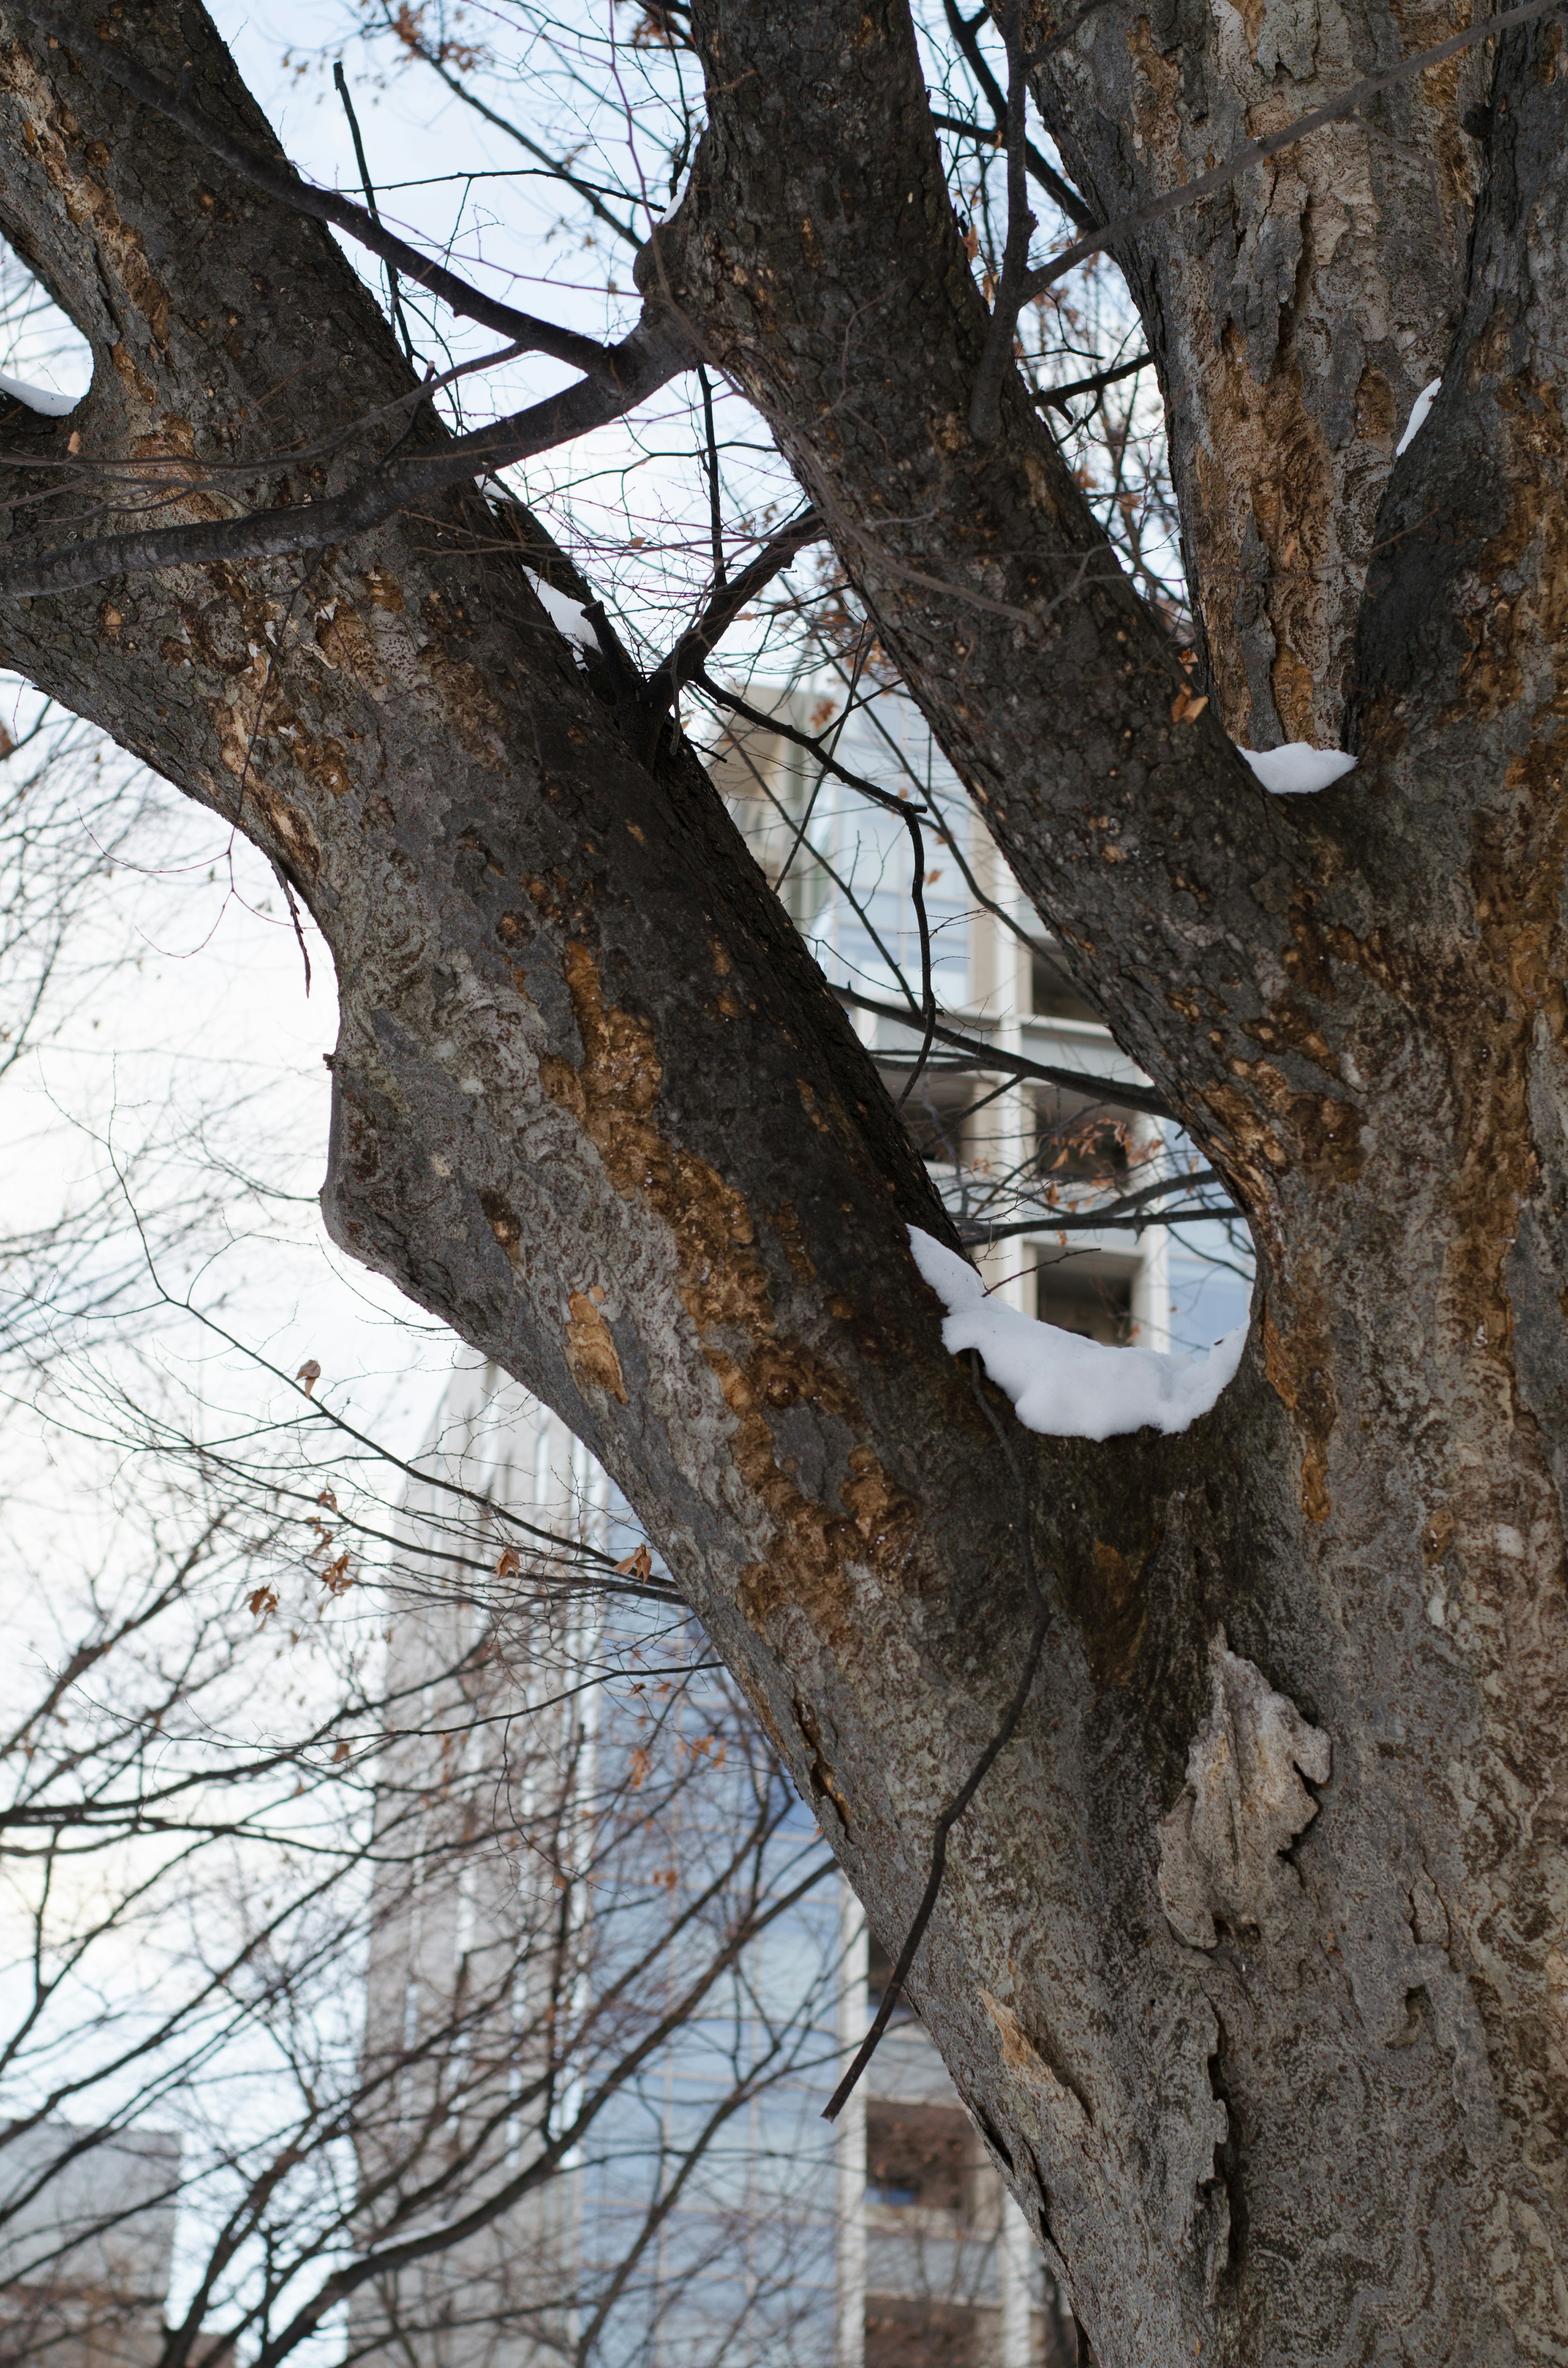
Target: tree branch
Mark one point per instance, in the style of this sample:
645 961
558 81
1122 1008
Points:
728 596
1059 191
964 32
639 365
1056 398
990 1056
281 181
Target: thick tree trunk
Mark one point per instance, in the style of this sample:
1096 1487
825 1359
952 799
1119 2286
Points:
1279 2075
1295 321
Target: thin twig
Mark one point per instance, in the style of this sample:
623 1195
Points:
809 742
279 179
716 523
965 31
727 598
928 990
1050 181
985 401
978 1773
394 301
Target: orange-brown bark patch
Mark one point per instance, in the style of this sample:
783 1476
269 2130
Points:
1296 1360
286 827
825 1784
344 641
793 1240
1110 1609
591 1351
1289 1029
49 130
506 1226
384 590
322 761
723 1286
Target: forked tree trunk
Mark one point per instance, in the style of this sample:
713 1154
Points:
1251 1956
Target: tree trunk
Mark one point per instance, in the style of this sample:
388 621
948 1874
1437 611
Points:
1277 2073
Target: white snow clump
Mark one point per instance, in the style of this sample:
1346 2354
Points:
1418 419
1065 1386
567 616
678 199
38 398
1298 767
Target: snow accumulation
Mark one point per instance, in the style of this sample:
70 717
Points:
567 616
38 398
1298 767
1065 1386
1418 419
678 199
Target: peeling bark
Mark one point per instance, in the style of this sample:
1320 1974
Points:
594 1105
1244 1805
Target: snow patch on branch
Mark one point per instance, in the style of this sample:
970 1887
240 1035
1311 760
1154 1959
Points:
567 616
1298 769
678 199
1418 419
38 398
1060 1384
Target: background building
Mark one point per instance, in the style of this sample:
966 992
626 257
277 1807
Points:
1010 1152
86 2243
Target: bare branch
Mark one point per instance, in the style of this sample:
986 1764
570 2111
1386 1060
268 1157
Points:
1056 398
990 1056
728 596
641 364
281 181
965 31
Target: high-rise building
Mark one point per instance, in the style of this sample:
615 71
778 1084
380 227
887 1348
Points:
711 2216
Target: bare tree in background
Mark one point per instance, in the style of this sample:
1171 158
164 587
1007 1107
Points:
1277 2073
238 1784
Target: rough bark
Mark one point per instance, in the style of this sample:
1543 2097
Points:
1294 322
1271 2086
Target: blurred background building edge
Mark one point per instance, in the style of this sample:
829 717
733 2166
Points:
907 2253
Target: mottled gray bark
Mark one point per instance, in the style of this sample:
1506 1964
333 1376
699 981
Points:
1293 321
1272 2085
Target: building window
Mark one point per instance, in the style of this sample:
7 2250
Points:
1054 996
919 2156
921 2334
1076 1299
